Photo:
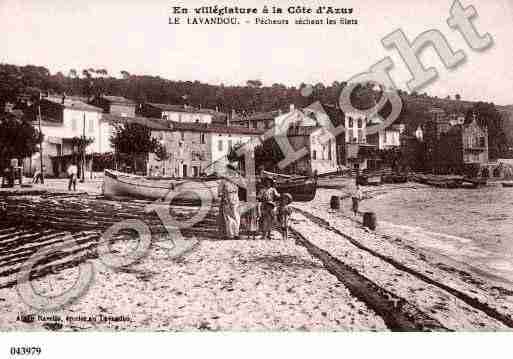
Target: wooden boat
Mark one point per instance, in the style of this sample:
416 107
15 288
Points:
475 182
118 184
367 180
302 188
394 178
440 181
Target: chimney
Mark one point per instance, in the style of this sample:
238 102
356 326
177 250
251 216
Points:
292 107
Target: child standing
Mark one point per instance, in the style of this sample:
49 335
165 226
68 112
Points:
284 213
356 197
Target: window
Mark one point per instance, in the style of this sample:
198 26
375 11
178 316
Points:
360 123
165 116
482 142
350 135
350 122
329 150
220 145
74 124
195 171
314 155
182 136
202 138
230 145
91 125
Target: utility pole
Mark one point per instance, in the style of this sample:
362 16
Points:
40 140
82 180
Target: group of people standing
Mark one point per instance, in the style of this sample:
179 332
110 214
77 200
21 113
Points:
272 209
72 172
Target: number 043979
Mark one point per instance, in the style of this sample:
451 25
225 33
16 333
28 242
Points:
25 351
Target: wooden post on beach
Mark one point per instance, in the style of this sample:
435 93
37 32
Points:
251 198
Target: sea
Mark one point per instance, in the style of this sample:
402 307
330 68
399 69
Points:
473 226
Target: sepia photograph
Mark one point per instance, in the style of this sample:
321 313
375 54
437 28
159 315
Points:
271 168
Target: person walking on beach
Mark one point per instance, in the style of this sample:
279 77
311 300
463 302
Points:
268 196
38 176
356 197
229 213
72 175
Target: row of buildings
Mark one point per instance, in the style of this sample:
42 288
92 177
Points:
198 139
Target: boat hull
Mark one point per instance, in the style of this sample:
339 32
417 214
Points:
118 184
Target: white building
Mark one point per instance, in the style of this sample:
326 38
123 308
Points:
62 120
387 138
180 113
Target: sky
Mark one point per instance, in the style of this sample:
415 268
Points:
135 36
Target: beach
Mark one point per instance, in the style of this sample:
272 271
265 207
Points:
331 274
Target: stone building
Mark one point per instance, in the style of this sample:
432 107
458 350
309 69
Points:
455 149
196 149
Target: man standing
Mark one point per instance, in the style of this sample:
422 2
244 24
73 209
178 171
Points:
38 176
72 175
268 197
356 197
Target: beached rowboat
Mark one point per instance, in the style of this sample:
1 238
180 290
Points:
301 188
118 184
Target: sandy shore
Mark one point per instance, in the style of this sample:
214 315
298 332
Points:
225 285
255 284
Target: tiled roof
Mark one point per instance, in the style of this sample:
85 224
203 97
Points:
118 99
165 125
73 104
271 115
184 108
152 123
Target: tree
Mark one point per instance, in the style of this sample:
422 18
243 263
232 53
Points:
125 74
102 72
81 143
267 155
254 83
457 97
161 152
134 140
19 139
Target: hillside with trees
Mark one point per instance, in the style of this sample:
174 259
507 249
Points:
253 97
